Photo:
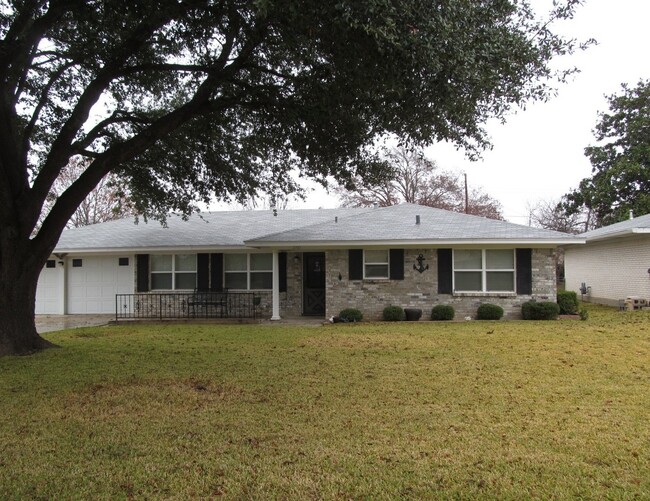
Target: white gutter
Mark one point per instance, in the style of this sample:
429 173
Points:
144 250
619 234
251 245
414 243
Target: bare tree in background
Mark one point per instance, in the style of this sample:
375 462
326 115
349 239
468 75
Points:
108 201
551 215
413 178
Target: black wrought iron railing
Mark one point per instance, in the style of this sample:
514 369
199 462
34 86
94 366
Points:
185 305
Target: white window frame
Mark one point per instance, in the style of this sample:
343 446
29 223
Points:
376 263
484 271
173 271
248 270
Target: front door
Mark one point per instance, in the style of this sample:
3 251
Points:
313 283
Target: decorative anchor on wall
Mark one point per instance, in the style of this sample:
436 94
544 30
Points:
420 267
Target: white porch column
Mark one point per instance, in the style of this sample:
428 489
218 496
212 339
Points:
276 286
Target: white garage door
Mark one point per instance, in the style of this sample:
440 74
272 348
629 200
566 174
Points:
93 282
49 292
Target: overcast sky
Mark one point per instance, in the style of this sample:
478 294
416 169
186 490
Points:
539 152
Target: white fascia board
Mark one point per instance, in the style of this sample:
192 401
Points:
147 250
619 234
416 243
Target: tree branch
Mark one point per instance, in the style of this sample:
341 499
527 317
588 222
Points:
27 133
61 149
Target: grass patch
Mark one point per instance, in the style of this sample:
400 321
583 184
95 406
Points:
377 411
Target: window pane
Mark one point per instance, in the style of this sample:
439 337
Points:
185 281
500 259
161 281
376 271
234 262
262 262
185 262
261 280
467 260
376 256
500 281
468 281
161 263
235 281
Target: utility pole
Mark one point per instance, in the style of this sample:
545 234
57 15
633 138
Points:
466 195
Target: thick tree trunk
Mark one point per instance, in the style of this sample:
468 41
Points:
18 334
19 271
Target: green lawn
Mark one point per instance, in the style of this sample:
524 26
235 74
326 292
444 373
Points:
370 411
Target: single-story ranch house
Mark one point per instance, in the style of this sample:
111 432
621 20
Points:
308 262
613 264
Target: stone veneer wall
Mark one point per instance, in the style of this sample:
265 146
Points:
419 290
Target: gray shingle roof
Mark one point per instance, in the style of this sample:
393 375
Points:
303 227
399 223
640 224
208 229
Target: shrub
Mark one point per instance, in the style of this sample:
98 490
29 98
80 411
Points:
584 314
350 315
489 311
442 312
568 302
393 313
544 310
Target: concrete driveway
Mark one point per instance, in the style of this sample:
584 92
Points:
49 323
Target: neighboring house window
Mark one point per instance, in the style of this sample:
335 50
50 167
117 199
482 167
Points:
248 271
484 270
375 264
173 271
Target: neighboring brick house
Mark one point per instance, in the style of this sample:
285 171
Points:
613 264
309 262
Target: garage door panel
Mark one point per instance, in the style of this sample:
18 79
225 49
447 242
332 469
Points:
49 291
92 287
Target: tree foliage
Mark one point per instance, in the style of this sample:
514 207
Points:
620 179
409 176
186 100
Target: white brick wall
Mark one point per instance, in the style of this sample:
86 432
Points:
614 269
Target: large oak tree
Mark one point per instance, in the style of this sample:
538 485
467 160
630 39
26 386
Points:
189 99
620 160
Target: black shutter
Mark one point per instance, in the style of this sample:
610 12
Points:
524 271
445 270
143 272
216 272
355 264
203 272
282 270
397 264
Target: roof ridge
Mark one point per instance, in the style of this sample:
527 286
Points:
277 233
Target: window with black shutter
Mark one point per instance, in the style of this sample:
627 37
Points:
397 264
445 271
355 264
524 271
